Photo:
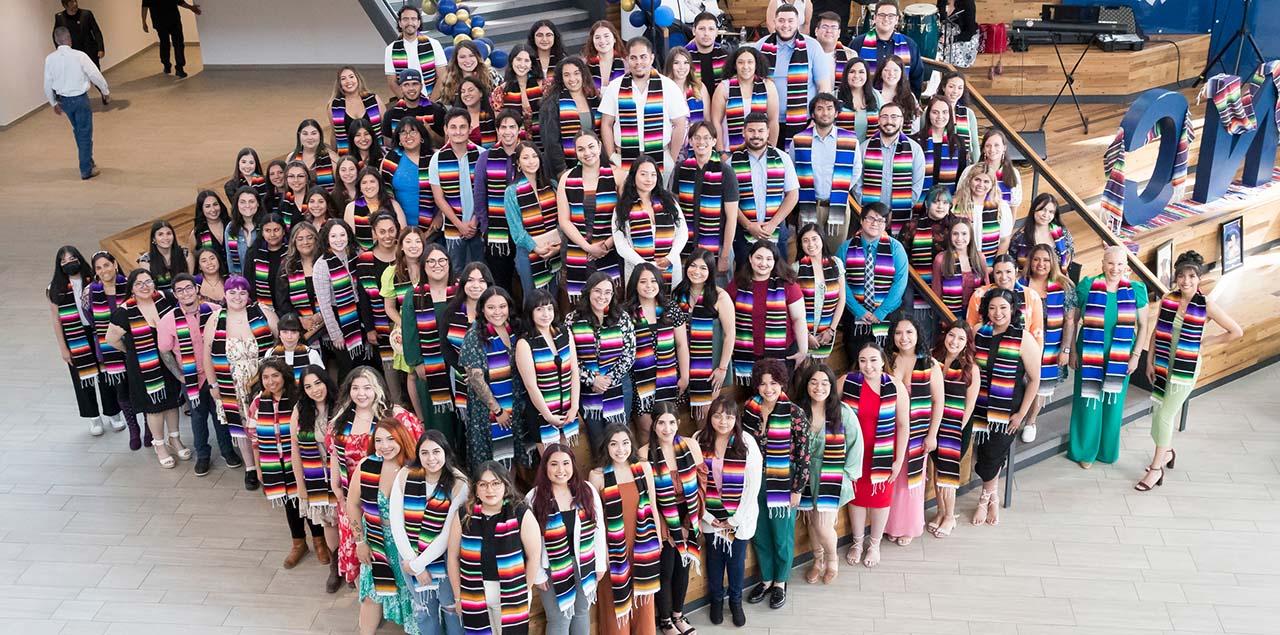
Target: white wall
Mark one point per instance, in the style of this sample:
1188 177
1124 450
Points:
288 32
26 38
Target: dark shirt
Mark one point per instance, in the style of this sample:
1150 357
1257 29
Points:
965 15
163 12
85 34
705 68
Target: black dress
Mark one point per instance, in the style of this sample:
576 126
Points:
173 390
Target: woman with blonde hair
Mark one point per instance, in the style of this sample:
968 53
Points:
681 70
978 200
351 100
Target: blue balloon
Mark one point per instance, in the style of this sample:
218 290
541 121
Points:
637 19
664 16
477 20
441 26
448 52
489 41
498 58
677 39
648 5
447 6
484 48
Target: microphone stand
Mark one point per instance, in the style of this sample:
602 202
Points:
1238 39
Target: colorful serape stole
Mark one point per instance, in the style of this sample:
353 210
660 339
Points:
920 416
1176 362
999 359
223 378
921 250
375 534
345 304
340 116
315 470
553 371
362 223
538 211
514 95
426 200
263 282
633 569
719 57
449 169
775 327
431 349
775 182
946 459
76 336
566 571
1054 318
774 436
869 281
275 448
875 160
145 347
736 110
302 294
941 164
831 471
678 501
500 375
508 551
598 349
651 238
497 176
869 51
577 263
819 322
425 514
641 125
796 112
700 193
571 126
886 423
655 372
369 275
426 62
841 176
989 225
616 69
1103 369
187 353
702 324
459 324
100 306
724 495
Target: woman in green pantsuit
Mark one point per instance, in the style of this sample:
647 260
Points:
1174 363
1112 336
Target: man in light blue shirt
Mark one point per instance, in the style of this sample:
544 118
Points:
871 296
824 154
778 49
454 195
761 216
875 184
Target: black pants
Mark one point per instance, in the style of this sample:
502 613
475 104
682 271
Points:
87 397
296 522
675 583
503 268
171 34
990 454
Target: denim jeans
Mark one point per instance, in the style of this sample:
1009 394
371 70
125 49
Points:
465 251
579 620
524 270
429 611
741 246
721 560
203 416
81 115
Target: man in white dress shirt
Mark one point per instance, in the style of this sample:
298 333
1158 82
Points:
67 74
630 125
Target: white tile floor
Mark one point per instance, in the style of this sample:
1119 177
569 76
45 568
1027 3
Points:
97 540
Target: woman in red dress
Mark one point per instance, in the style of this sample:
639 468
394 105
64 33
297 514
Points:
882 406
364 401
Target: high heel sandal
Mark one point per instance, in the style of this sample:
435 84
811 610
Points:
1142 485
984 501
175 443
668 627
873 554
816 568
832 572
167 461
943 533
855 552
1173 456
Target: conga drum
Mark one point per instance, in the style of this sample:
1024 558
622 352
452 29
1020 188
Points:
920 23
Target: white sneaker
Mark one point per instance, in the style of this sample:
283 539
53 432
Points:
1028 433
95 426
117 422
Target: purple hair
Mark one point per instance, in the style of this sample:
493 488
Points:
236 283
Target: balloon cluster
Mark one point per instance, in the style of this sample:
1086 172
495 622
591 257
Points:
661 16
462 24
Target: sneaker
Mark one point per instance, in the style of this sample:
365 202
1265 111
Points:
251 481
95 426
233 460
167 70
1029 433
117 422
202 466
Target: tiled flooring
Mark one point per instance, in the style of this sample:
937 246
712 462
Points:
95 539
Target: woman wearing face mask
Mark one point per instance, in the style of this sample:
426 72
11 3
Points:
426 498
495 396
821 280
1059 331
1174 362
235 339
710 314
881 403
746 92
959 268
248 172
423 318
263 266
361 407
734 469
458 317
661 369
861 103
210 225
768 312
351 102
648 226
530 204
586 197
108 290
308 428
548 368
675 461
961 382
633 535
152 388
574 550
68 295
242 231
978 201
571 107
384 588
908 360
835 462
605 343
165 258
342 305
495 526
310 148
1044 226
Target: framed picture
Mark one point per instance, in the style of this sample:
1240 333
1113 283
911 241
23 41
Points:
1231 237
1164 263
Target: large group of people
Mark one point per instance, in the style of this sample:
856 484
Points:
568 331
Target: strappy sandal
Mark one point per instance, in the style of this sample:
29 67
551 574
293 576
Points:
943 533
166 461
854 556
1173 457
984 501
833 571
1142 485
932 527
667 627
175 443
873 554
688 631
903 541
815 569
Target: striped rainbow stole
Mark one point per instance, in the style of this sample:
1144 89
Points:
652 237
701 324
946 459
187 349
497 176
571 125
841 171
616 69
774 435
797 99
808 281
680 512
1175 363
275 448
736 110
431 349
302 295
723 497
369 275
654 372
598 227
775 174
899 161
499 373
262 279
509 554
145 347
426 60
1055 298
76 337
775 327
1103 369
633 570
426 200
999 359
425 516
869 293
990 228
100 307
553 371
561 558
449 169
870 50
345 303
538 212
941 163
886 423
831 470
920 414
315 470
362 223
719 56
641 126
699 190
598 349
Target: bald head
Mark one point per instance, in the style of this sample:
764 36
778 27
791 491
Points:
62 36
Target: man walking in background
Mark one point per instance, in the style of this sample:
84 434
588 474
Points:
168 24
86 37
67 75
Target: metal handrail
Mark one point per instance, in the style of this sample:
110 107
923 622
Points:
976 99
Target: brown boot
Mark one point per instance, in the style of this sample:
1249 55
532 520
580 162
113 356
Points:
295 554
335 581
322 549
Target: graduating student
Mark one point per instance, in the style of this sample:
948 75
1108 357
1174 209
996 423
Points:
706 189
643 112
875 273
892 168
413 50
586 197
800 69
827 167
352 101
883 41
768 189
709 56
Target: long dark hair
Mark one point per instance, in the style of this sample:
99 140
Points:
307 409
288 388
631 197
557 88
461 295
544 498
384 196
1015 318
236 177
602 448
802 400
655 446
323 148
513 320
1010 174
541 181
1039 202
891 349
509 78
261 241
736 448
926 129
846 94
709 293
201 223
557 49
449 473
744 276
58 283
155 258
762 63
539 298
903 96
237 220
633 296
328 226
965 358
375 150
510 495
612 314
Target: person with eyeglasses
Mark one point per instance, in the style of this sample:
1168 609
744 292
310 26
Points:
828 29
883 41
892 168
875 274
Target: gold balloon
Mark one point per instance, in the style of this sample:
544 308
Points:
429 7
451 19
460 38
462 14
477 32
628 5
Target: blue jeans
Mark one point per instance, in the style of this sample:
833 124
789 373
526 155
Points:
578 623
740 246
81 115
524 270
465 251
202 416
721 560
429 611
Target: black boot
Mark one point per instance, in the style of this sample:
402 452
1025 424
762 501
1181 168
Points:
251 481
335 581
717 611
739 618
